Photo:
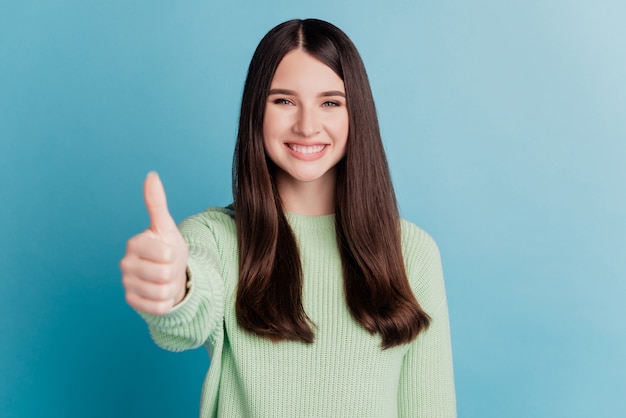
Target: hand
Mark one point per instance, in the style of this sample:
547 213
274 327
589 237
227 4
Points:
154 267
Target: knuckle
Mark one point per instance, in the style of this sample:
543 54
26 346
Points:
131 300
160 293
172 290
126 282
125 264
131 244
161 308
167 273
162 274
167 253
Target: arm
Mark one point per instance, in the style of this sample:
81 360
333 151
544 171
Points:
199 315
427 380
159 264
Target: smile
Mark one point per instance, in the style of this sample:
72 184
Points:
309 149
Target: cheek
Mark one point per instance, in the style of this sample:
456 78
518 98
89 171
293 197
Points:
266 125
268 130
269 136
342 129
271 125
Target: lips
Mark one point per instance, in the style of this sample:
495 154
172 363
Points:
306 149
307 152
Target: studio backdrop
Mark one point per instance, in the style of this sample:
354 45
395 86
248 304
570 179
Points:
505 128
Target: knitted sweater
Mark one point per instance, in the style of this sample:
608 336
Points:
344 373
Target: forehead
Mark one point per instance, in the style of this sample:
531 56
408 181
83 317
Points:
299 70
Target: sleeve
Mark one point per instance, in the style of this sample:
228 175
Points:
427 379
199 316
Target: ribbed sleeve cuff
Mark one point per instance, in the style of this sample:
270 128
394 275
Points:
190 323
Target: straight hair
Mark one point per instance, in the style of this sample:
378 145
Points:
367 221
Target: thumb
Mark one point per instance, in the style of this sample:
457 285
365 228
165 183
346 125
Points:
154 195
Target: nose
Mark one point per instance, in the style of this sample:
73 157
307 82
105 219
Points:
307 123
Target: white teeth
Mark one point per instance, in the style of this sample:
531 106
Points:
312 149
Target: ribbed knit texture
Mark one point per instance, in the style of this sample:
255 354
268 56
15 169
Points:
344 373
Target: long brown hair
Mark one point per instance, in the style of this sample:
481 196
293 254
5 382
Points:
269 292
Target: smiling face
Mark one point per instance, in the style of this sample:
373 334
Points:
305 127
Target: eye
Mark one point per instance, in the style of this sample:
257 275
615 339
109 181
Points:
282 101
331 103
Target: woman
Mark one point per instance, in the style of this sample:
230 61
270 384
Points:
312 296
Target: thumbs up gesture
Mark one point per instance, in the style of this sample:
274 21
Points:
154 267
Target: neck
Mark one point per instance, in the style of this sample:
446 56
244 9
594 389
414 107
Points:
308 198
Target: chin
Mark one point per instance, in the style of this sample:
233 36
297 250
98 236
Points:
306 177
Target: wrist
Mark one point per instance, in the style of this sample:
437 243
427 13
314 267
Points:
182 294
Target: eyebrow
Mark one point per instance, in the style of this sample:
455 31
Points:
293 93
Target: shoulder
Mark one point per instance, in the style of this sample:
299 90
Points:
213 222
416 241
213 214
423 265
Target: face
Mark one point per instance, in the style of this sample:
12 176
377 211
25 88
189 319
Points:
305 128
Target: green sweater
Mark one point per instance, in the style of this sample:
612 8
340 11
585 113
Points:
344 373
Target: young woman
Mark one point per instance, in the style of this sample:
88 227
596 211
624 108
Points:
312 296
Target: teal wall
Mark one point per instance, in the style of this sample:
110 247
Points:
506 133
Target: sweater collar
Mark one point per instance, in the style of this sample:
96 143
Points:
297 220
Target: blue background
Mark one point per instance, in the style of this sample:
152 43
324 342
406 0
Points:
505 128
